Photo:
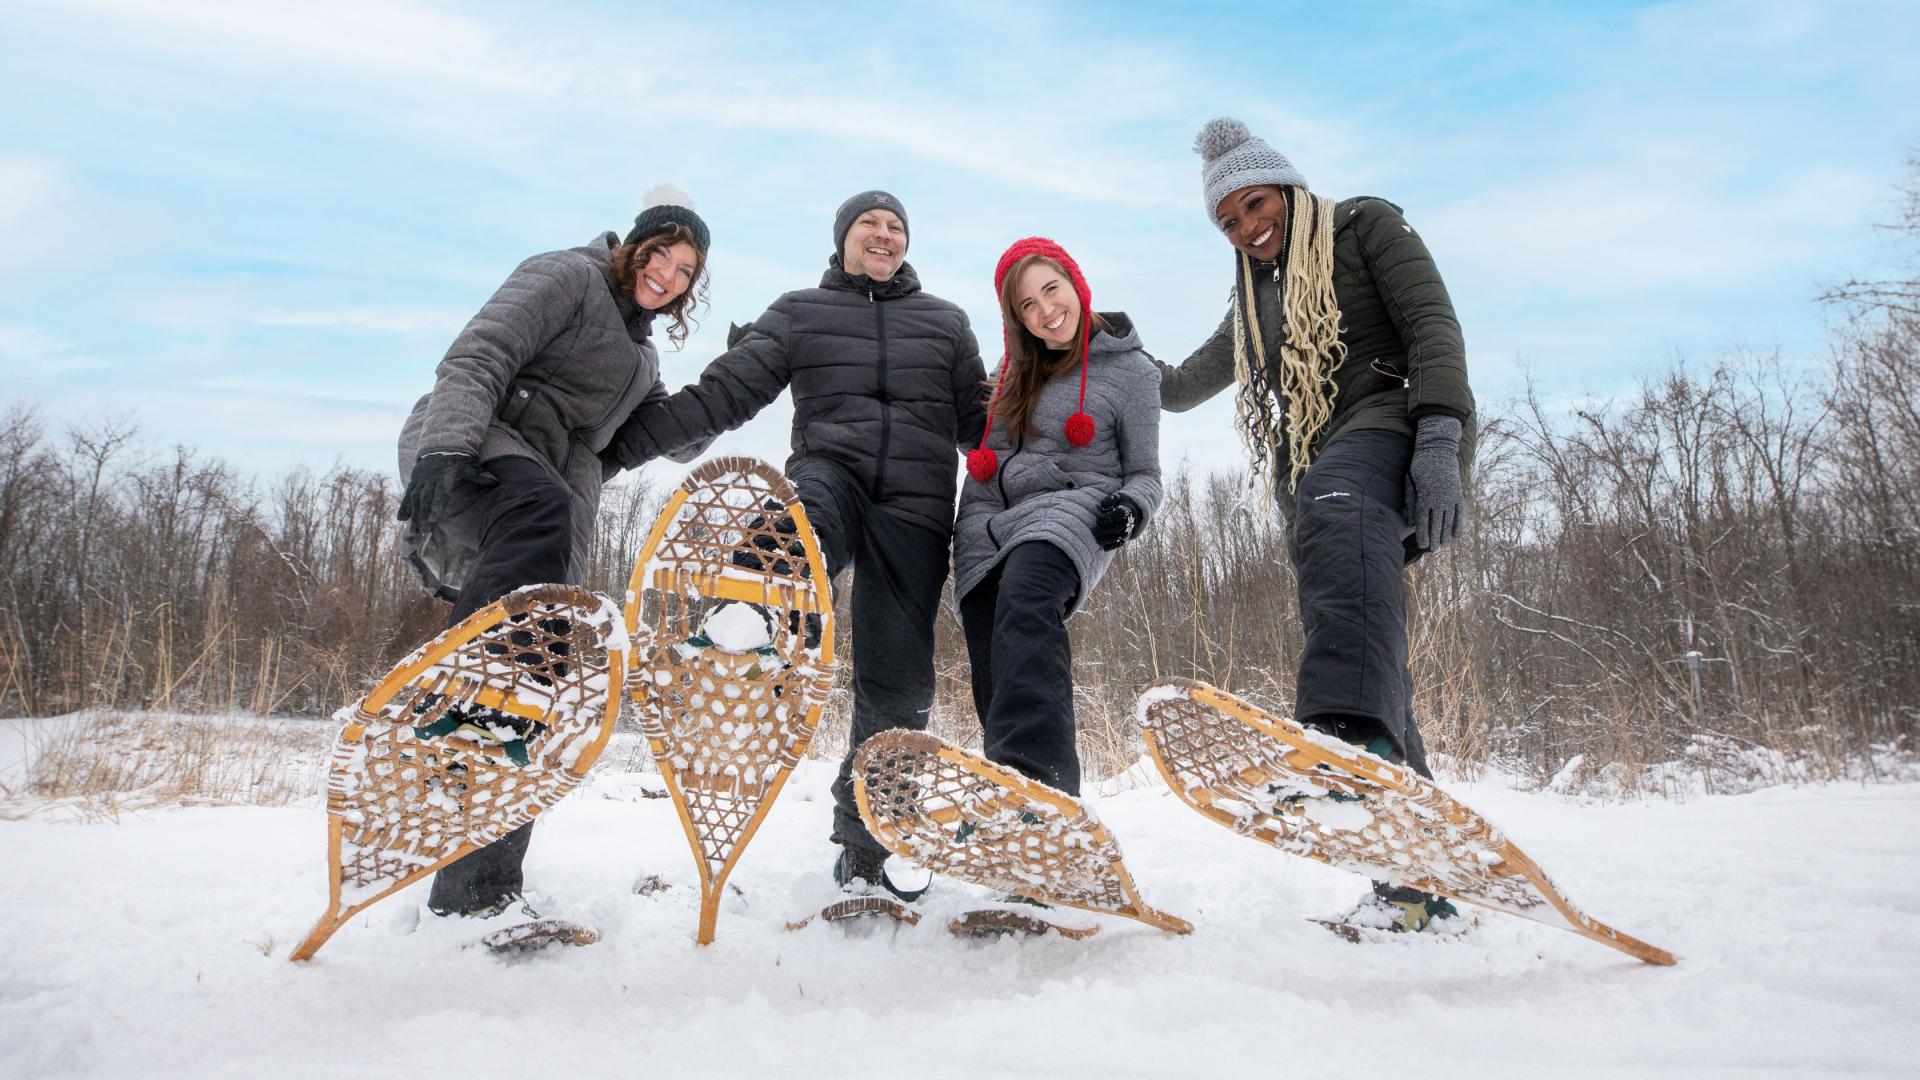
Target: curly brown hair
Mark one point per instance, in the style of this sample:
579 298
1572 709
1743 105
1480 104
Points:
623 267
1031 363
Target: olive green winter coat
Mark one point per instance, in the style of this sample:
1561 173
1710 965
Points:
1405 355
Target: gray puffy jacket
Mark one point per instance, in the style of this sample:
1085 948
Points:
886 383
547 370
1048 489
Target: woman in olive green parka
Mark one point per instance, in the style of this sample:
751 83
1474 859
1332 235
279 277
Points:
1351 394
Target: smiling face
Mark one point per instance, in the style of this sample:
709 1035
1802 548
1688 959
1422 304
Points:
1254 220
1045 303
876 245
666 274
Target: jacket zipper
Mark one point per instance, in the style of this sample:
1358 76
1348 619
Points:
886 402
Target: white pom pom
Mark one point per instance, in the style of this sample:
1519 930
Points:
1219 137
665 195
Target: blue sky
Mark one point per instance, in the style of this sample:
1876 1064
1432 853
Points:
257 226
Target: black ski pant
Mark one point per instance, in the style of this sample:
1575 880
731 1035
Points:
899 565
526 540
1350 544
1022 663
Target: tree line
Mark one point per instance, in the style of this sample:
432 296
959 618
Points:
1721 567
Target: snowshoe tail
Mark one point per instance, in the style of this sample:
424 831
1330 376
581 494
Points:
962 816
728 727
539 934
1312 795
857 908
999 922
408 793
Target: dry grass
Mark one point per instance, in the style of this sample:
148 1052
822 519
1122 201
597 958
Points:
98 763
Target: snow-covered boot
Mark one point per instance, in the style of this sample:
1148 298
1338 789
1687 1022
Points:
1391 910
860 870
481 724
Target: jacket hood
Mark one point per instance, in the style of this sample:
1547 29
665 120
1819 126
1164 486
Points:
600 250
1121 337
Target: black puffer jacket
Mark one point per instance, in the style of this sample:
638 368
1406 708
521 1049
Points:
1405 353
887 382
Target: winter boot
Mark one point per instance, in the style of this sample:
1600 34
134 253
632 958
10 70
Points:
481 724
858 870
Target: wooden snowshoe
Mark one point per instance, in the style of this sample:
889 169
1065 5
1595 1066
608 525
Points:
732 623
467 739
962 816
1313 795
861 908
538 934
1025 920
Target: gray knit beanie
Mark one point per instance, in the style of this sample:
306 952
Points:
860 204
1235 159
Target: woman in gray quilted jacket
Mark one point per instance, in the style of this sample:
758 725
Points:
1069 470
503 461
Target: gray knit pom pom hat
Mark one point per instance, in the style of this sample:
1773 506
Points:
1235 159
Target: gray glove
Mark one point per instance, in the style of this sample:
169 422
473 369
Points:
436 479
1434 504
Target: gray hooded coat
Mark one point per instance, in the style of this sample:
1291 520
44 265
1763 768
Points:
547 370
1050 490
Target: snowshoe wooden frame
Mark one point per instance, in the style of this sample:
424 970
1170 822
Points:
860 908
539 934
998 922
726 732
401 806
1237 764
958 814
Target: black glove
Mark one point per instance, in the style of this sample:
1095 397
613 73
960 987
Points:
1119 520
1434 504
436 476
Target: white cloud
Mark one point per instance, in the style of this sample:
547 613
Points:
24 341
391 35
378 320
27 185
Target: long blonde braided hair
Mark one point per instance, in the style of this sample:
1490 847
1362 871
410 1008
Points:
1310 352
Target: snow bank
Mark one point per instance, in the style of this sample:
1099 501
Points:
156 947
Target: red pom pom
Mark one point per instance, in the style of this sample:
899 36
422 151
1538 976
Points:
981 462
1079 429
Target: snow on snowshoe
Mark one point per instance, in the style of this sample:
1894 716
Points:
732 623
466 739
1389 912
962 816
1313 795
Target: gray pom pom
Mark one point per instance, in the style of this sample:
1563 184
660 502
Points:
665 194
1220 136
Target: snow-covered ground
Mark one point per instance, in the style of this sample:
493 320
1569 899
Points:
155 945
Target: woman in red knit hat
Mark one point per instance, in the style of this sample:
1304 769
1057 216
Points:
1067 472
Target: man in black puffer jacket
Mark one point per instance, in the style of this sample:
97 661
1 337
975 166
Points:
888 387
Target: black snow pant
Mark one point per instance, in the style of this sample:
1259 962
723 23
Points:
899 564
1350 544
527 539
1022 663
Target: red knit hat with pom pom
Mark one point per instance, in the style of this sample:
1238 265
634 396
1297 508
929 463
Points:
982 461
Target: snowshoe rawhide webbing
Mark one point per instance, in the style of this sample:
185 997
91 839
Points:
1311 794
725 598
408 792
958 814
